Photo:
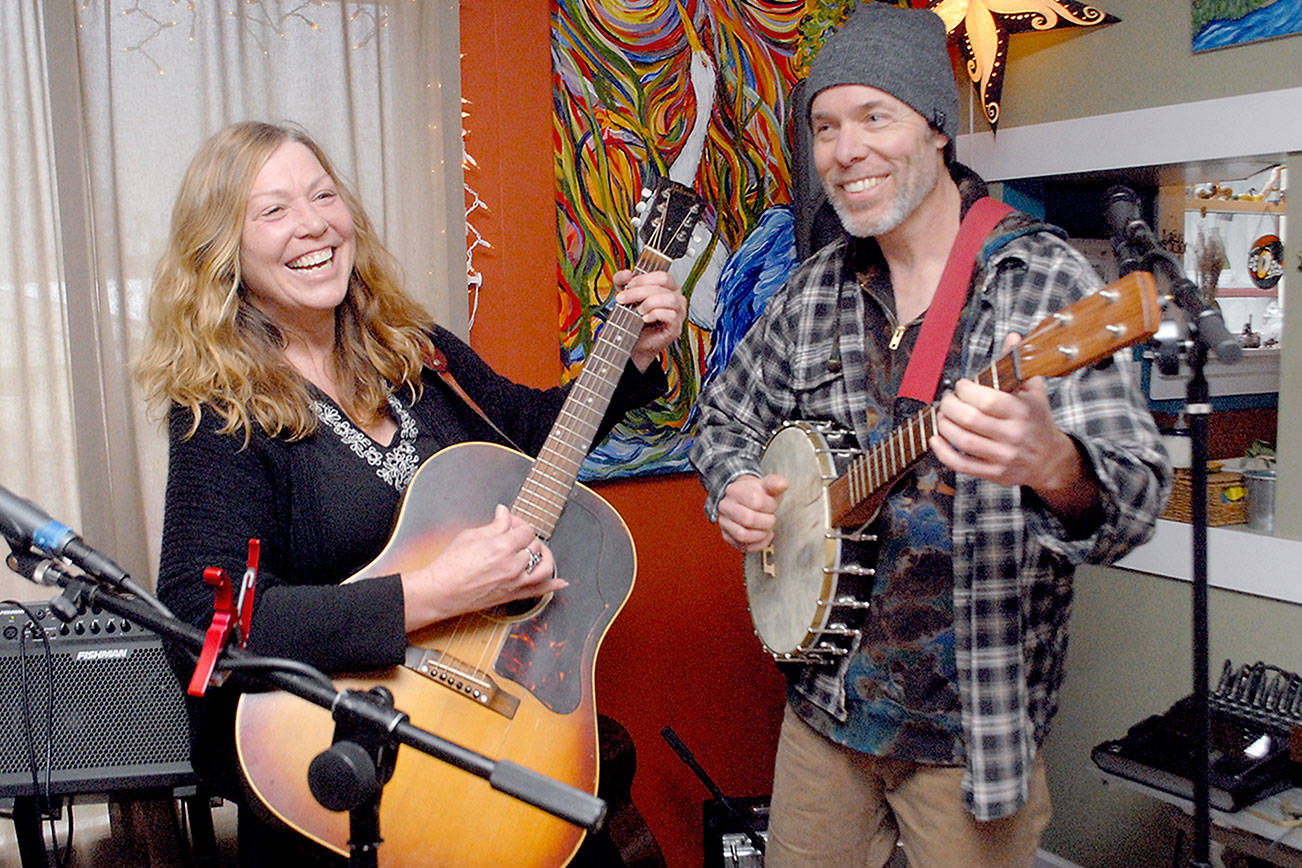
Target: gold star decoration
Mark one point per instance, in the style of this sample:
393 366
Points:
982 27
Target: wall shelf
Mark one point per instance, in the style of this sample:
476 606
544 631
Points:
1238 559
1246 292
1234 205
1256 373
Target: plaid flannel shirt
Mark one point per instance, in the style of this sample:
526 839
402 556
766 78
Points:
1013 559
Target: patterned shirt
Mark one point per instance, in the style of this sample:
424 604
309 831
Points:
1013 559
396 463
901 684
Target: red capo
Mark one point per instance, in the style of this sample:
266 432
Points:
231 616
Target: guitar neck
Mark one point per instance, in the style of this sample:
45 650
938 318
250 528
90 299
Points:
549 482
1121 314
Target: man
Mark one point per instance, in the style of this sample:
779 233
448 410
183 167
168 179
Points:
927 733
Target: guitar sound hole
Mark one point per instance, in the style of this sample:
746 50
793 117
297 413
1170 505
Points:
519 610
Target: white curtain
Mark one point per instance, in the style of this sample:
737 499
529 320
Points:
108 100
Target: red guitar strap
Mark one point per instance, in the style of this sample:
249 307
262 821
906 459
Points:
928 359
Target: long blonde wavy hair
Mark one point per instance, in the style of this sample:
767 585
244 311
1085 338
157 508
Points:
207 344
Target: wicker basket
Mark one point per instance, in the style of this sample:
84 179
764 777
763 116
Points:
1227 501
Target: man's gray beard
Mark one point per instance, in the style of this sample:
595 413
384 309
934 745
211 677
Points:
920 183
862 226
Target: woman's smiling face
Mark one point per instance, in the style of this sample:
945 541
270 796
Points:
297 246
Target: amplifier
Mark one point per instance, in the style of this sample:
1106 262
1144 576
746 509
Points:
105 702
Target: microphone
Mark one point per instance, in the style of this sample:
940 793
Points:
26 527
1122 212
1134 243
25 524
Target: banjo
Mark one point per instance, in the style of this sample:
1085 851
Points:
808 590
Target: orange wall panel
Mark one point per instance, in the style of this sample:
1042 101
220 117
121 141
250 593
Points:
506 78
681 653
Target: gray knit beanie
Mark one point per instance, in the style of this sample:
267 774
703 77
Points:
896 50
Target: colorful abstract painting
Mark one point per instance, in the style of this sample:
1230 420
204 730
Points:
696 91
1222 23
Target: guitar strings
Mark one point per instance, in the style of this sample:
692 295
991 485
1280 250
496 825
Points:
544 493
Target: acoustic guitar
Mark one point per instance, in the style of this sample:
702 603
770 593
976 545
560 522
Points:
808 590
512 683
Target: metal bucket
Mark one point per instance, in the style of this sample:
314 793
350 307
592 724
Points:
1261 499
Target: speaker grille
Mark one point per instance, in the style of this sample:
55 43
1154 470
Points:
119 719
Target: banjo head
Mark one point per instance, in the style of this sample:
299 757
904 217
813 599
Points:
788 585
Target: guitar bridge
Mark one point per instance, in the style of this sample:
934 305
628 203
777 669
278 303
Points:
462 678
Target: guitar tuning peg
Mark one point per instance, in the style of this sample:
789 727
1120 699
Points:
646 193
641 206
691 250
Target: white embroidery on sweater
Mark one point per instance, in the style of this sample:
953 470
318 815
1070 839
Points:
395 464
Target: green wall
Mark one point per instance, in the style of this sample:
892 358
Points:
1144 60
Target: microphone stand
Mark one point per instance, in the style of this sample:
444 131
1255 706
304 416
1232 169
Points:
368 728
1197 408
1137 249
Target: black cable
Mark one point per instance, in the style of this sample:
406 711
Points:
41 791
277 664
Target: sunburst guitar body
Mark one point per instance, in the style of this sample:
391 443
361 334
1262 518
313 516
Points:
517 688
513 683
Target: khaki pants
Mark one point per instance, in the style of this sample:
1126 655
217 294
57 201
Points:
833 806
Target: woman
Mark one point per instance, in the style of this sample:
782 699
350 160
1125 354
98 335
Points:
300 402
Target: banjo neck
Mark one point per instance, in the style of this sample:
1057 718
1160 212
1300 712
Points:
857 494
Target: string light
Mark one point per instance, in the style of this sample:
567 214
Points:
158 27
475 239
257 19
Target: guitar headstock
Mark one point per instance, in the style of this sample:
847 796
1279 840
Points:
666 217
1123 313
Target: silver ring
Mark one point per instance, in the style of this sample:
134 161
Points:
534 558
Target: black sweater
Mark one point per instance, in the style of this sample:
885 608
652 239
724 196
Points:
321 514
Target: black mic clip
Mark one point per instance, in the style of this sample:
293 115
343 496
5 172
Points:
44 570
69 604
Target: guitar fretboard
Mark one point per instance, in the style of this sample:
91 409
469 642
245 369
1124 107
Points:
547 487
1086 331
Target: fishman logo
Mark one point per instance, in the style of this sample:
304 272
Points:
105 654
